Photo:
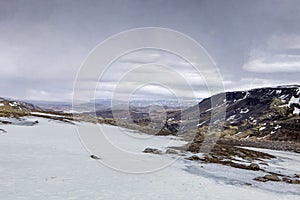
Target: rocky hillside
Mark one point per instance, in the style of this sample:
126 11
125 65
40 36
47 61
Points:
259 114
11 108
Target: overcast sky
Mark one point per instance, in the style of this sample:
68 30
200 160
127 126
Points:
254 43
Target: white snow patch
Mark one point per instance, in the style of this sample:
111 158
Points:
45 114
231 118
247 137
283 97
13 104
261 138
170 119
200 124
282 106
246 95
293 100
277 127
262 128
243 111
208 110
296 111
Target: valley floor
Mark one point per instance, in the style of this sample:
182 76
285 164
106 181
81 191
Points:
48 161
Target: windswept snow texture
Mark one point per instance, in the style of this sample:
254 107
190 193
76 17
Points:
48 161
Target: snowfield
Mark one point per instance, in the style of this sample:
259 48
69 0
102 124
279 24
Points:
48 161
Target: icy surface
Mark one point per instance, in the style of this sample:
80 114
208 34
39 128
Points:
48 161
286 162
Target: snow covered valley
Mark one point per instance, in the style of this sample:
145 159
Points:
48 161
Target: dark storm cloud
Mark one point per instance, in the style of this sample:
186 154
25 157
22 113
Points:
43 43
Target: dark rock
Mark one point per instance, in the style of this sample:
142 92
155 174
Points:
272 177
193 157
2 130
171 151
287 180
6 122
248 158
94 157
254 167
240 154
295 181
152 150
291 181
261 179
263 163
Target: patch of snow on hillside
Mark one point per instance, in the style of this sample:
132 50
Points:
283 97
170 119
296 111
246 95
277 127
282 106
243 111
294 100
200 124
238 133
231 118
262 128
208 110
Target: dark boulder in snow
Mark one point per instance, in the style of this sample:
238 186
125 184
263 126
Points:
152 150
95 157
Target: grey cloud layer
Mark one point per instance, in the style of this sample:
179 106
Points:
43 43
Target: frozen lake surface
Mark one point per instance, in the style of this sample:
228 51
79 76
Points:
48 161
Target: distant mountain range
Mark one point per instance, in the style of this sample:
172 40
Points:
106 104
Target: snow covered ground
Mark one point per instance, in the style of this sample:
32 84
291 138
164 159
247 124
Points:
48 161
